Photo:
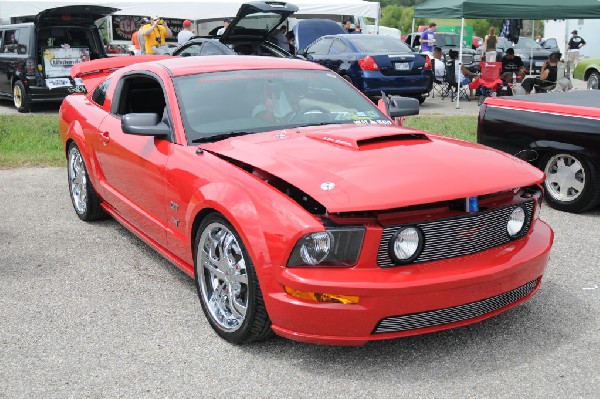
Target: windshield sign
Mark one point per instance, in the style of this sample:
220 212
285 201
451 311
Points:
219 104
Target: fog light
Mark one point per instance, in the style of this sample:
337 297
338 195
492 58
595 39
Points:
516 221
321 297
315 247
406 244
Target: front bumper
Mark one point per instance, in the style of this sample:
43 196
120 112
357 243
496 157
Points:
475 281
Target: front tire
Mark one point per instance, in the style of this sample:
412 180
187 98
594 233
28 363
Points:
593 82
83 196
572 182
20 99
227 283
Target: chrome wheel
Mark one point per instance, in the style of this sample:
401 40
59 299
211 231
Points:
17 96
565 177
593 81
222 277
77 181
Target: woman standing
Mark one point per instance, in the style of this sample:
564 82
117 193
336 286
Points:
489 45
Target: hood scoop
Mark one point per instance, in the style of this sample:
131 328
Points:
366 141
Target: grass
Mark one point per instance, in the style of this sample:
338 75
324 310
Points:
460 127
30 140
33 140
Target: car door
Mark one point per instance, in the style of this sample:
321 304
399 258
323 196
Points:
133 166
338 55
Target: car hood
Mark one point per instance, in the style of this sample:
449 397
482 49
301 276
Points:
76 15
378 167
525 53
258 19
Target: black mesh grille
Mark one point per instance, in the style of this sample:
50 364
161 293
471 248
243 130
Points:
458 313
459 236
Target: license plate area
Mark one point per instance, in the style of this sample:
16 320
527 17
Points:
402 66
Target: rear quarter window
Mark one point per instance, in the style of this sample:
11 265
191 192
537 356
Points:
99 94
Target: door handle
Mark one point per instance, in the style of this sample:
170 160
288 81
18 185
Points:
105 136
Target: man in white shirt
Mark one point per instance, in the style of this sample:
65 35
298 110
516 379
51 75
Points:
226 23
186 32
440 65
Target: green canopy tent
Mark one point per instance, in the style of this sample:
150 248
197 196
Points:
506 9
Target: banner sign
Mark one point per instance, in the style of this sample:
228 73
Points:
123 26
59 60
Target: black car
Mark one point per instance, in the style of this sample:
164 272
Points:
449 41
35 57
203 46
250 32
558 133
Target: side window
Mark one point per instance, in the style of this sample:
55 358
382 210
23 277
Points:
1 41
338 47
193 49
99 94
23 37
320 47
10 40
211 49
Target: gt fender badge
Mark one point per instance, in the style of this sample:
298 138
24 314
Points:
327 186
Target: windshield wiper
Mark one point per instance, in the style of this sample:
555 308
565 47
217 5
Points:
219 137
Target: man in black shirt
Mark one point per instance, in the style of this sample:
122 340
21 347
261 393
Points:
575 44
512 64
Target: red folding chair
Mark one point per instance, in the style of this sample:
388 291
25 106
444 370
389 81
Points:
488 81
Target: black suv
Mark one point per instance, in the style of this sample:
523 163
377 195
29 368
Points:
449 41
35 57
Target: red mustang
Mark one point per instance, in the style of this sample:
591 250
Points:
298 206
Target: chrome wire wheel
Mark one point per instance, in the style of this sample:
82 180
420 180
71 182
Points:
565 177
18 96
77 181
222 277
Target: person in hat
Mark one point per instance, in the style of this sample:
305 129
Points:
575 44
156 34
186 32
226 23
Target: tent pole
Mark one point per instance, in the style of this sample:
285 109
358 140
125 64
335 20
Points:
412 29
378 18
531 49
460 57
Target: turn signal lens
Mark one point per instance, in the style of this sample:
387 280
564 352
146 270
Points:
319 297
368 64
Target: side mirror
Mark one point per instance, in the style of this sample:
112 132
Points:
145 124
403 106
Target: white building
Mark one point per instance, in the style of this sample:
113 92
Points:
588 29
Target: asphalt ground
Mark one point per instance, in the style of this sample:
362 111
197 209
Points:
87 310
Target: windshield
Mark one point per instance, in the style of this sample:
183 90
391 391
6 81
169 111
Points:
446 40
219 104
379 44
527 43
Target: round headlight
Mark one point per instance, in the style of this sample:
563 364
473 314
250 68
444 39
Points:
315 247
516 221
406 244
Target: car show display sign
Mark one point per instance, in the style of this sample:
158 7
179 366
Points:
59 60
123 26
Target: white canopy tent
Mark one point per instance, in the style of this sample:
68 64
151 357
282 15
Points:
190 9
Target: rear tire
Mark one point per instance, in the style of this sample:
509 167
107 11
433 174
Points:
572 182
593 82
20 98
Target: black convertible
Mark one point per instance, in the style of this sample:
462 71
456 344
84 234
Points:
557 132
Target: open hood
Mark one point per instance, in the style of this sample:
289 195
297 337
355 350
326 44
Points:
80 15
258 19
378 167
